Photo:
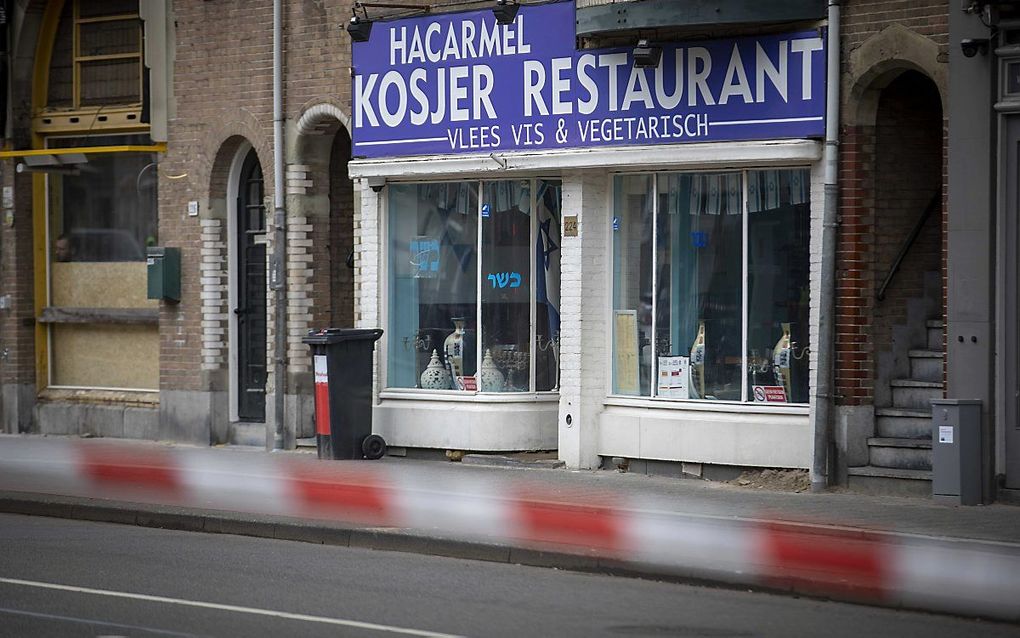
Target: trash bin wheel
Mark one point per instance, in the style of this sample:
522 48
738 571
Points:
373 447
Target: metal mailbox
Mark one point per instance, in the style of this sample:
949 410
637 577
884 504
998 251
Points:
163 268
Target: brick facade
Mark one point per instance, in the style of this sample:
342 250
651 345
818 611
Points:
224 97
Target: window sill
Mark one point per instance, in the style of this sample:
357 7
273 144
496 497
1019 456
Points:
140 398
456 396
707 406
52 314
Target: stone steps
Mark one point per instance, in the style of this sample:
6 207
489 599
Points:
253 434
925 365
914 394
902 423
884 481
900 453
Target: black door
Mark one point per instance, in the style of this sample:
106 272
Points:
251 293
1010 345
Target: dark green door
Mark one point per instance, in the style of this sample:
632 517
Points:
251 293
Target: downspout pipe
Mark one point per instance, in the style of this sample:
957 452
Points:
823 458
275 439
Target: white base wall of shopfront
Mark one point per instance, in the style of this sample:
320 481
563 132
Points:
764 439
498 426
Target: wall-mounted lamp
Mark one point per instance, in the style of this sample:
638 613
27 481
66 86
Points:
359 28
499 160
647 55
63 163
55 170
505 11
973 46
377 183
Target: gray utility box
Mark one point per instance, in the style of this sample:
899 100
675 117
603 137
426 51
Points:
956 451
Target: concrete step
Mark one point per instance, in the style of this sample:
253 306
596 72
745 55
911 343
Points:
247 434
900 453
883 481
914 394
925 365
935 331
898 423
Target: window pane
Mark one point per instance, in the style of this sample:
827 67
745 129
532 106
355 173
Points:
61 80
779 217
632 285
107 8
433 234
109 38
547 285
506 286
107 212
111 82
698 297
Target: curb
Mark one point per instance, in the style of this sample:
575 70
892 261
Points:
409 541
494 460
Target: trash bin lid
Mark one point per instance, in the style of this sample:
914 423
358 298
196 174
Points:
336 335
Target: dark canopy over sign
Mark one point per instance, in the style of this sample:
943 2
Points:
460 83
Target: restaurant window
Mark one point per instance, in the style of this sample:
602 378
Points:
474 286
710 286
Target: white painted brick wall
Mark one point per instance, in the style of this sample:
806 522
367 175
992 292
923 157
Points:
367 267
300 271
213 294
584 288
817 207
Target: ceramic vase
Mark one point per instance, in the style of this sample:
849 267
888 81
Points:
491 378
435 376
453 348
697 364
781 360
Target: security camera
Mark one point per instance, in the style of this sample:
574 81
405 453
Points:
973 46
377 183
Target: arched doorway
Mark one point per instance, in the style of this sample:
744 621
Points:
250 311
341 233
907 235
892 272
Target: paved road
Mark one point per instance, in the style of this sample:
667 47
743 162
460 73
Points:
74 578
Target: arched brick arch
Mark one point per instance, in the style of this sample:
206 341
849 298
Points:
223 137
881 59
323 195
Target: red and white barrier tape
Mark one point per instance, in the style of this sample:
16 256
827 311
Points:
968 578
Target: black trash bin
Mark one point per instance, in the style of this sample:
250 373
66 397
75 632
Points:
343 393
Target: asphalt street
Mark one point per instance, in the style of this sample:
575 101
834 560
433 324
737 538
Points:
76 578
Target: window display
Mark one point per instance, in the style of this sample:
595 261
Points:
470 254
730 278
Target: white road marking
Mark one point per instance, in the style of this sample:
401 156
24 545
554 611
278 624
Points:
90 622
234 608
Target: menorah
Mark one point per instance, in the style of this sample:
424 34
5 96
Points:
512 360
421 342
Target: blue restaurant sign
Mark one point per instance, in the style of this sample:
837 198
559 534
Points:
460 83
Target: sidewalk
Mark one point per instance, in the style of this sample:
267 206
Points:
449 509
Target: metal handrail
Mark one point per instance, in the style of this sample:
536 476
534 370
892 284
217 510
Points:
935 201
